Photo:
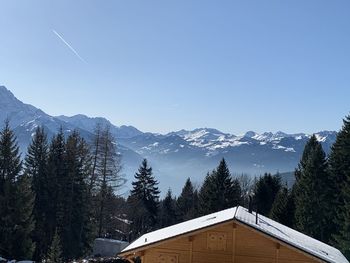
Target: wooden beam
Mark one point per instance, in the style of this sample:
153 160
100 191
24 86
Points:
190 239
234 226
277 252
130 260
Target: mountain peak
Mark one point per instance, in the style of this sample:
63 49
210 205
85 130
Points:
6 95
209 130
250 134
3 88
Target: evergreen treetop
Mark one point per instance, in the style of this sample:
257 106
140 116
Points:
311 213
265 191
144 200
185 202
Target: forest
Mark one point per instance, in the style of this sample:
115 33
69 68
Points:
64 193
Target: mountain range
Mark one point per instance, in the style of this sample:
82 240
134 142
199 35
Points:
176 155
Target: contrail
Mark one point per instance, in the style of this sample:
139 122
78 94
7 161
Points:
68 45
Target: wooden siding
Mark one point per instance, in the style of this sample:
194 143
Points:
242 245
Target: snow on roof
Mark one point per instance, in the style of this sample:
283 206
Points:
291 236
111 240
182 228
240 214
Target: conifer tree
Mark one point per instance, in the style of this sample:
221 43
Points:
16 200
36 168
54 254
219 191
236 193
206 195
143 200
73 211
195 203
339 162
185 205
167 211
312 189
22 244
226 193
265 191
283 207
55 184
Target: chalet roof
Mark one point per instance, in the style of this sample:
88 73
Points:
241 215
290 236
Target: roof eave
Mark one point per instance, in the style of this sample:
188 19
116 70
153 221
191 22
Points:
186 234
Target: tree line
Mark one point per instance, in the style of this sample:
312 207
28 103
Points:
63 195
58 199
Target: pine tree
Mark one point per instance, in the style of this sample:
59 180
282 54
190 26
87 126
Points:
236 193
219 191
226 194
206 195
55 184
283 207
73 210
36 168
22 244
16 200
265 191
54 254
311 196
143 201
185 205
339 162
167 211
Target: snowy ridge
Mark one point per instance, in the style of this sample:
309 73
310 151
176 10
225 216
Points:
241 215
212 139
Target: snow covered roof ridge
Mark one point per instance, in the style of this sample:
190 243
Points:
265 225
290 236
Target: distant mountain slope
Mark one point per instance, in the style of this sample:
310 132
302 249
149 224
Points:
193 153
25 118
89 124
176 155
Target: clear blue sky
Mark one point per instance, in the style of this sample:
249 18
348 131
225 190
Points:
172 64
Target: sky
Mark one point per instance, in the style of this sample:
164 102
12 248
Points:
165 65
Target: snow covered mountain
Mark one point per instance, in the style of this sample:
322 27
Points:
193 153
24 118
176 155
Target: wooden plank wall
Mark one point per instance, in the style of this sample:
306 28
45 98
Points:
243 245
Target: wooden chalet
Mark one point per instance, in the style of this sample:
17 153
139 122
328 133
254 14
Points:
233 235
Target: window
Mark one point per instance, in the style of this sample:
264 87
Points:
216 241
167 258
